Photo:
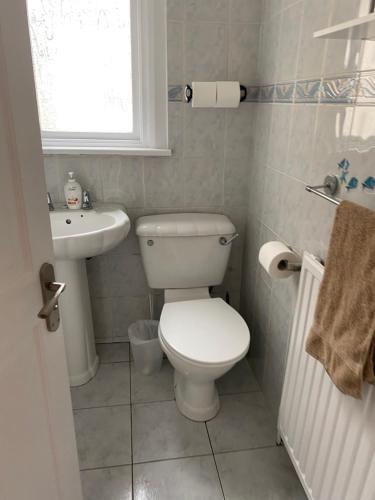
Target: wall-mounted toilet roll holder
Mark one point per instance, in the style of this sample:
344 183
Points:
188 93
285 265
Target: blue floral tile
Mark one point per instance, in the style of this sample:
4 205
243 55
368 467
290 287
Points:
352 184
369 183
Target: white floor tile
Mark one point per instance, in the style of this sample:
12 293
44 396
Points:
239 379
103 436
262 474
113 352
155 387
110 386
183 479
161 432
107 484
243 422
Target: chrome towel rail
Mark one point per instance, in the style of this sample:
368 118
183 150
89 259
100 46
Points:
330 186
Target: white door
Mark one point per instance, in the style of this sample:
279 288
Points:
38 457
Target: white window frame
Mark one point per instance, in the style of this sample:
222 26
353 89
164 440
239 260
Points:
150 94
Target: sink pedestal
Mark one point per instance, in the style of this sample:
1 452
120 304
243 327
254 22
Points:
76 319
76 235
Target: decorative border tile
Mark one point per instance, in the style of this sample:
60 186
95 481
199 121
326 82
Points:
339 90
359 88
307 91
267 93
252 94
284 92
366 89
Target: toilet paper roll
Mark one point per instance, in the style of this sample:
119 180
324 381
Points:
228 94
204 94
273 257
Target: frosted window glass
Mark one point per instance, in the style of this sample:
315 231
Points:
83 65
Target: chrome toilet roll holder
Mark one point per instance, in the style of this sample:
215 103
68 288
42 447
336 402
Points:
285 265
188 93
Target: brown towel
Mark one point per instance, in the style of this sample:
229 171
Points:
342 337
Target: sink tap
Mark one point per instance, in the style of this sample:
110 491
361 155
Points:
86 201
50 204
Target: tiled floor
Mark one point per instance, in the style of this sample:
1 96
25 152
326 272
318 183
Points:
134 444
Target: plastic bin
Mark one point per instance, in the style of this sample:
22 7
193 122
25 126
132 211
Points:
145 346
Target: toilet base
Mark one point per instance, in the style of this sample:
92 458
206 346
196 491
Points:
196 400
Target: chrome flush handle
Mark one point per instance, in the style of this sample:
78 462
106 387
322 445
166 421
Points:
224 241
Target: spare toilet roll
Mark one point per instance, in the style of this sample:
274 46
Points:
273 257
204 94
228 94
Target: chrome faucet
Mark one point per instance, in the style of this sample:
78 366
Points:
51 208
86 201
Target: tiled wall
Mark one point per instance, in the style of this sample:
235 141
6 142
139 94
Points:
210 40
300 136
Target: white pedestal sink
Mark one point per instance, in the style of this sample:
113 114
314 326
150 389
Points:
76 235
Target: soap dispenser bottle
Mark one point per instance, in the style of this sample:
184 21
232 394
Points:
73 193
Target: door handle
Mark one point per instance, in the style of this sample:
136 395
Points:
51 291
57 289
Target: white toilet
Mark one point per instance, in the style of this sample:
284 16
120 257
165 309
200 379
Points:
203 337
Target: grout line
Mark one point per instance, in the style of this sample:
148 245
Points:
114 405
240 393
200 21
173 458
136 403
266 447
182 458
221 394
131 428
113 362
117 466
144 191
213 456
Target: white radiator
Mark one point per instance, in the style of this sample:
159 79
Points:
330 437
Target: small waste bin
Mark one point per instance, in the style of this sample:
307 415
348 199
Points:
145 346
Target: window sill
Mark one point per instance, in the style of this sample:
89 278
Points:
55 150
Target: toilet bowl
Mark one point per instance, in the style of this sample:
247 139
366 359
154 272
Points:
203 339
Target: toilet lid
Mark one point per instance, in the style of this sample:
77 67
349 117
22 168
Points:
206 331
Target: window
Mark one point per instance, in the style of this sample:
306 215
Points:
100 73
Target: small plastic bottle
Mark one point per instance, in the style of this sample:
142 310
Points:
73 193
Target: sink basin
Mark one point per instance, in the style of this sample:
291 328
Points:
85 233
77 235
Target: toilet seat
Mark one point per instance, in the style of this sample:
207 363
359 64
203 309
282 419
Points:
207 331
